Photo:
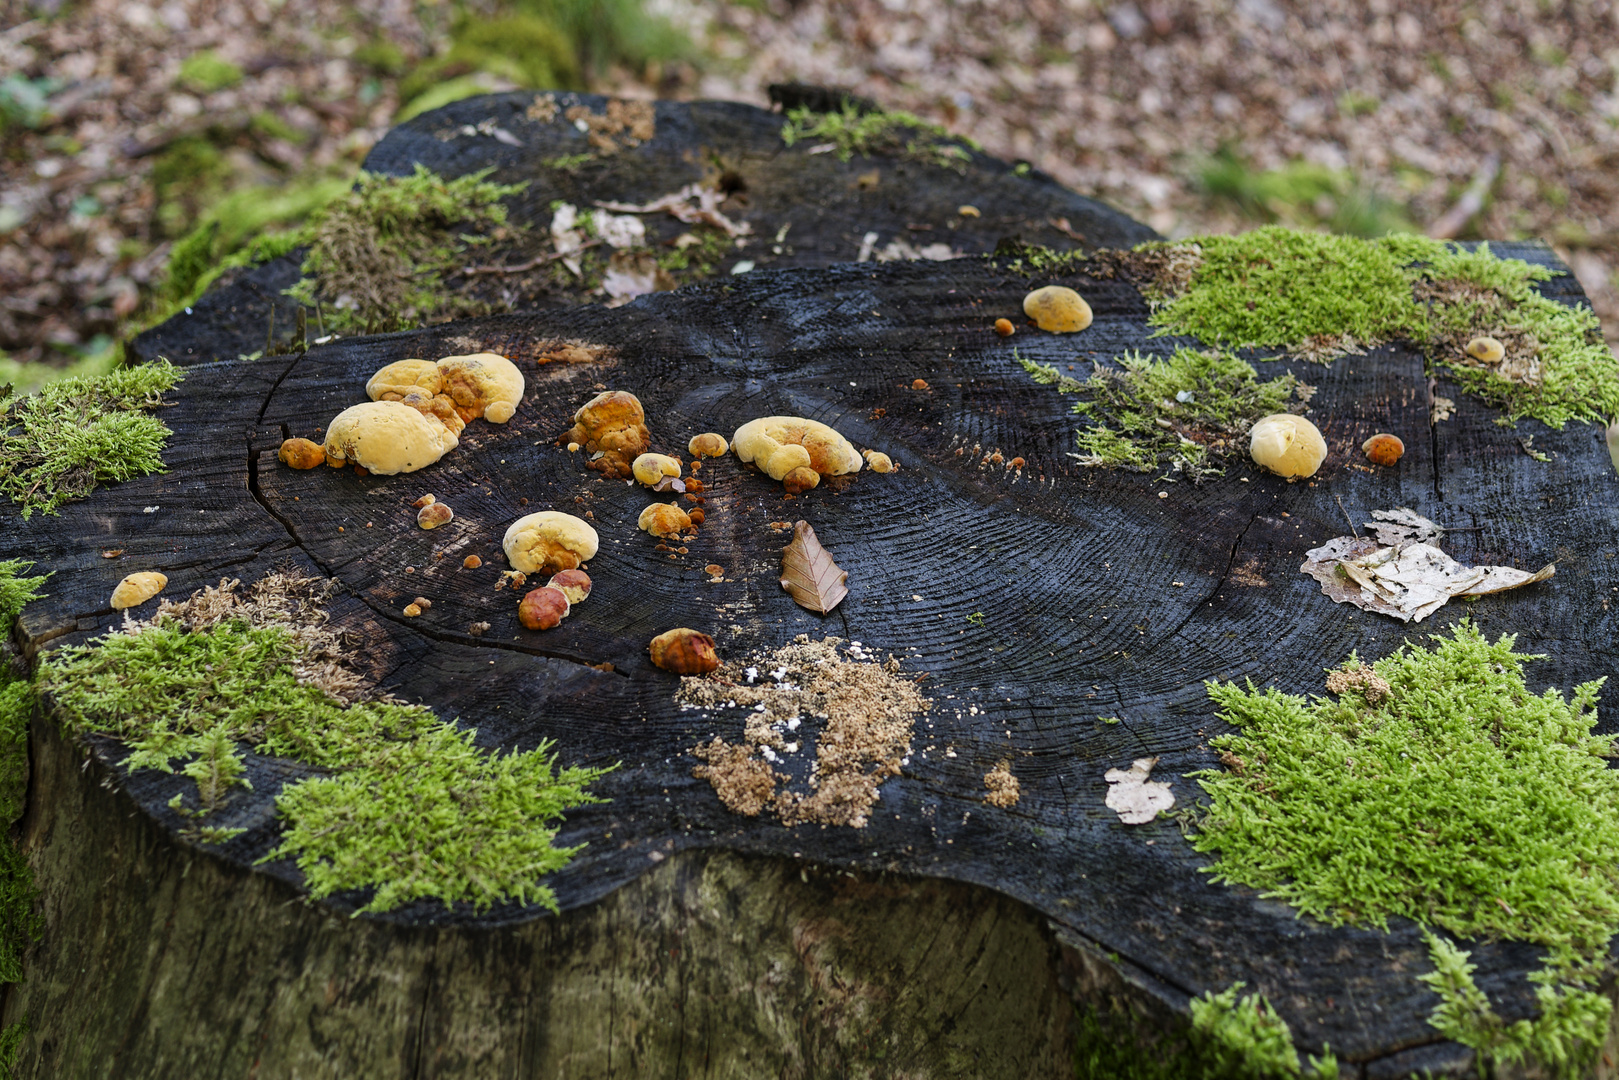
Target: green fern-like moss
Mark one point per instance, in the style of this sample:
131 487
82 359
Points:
83 431
411 807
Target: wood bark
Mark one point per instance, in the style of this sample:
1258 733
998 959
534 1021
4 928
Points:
1035 600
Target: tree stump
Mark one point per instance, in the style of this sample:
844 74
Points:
948 936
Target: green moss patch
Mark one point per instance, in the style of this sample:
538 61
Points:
1232 1036
1565 1037
852 131
83 431
1320 296
1452 796
1186 412
378 258
410 805
20 924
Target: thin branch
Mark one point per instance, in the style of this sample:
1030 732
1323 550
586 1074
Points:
523 268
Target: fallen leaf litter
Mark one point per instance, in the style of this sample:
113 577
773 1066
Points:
858 712
1400 572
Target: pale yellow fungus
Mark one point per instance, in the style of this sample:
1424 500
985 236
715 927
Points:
547 542
780 444
386 437
1058 309
483 384
1287 445
138 588
650 468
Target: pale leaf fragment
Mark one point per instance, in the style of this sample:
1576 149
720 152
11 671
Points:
1401 573
1404 526
1133 797
1613 442
808 573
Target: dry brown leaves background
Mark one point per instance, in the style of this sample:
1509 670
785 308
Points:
1194 115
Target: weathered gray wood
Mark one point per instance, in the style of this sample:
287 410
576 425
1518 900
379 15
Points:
1071 569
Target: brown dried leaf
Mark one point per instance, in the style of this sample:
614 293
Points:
808 573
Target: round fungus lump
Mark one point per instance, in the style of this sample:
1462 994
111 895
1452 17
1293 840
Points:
708 444
664 520
1486 350
684 651
483 384
386 437
575 584
543 608
780 444
612 426
403 377
1383 448
548 542
1287 445
877 461
1058 309
138 588
650 468
301 453
439 407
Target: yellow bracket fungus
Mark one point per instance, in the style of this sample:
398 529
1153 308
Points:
780 444
386 438
1057 309
1287 445
548 541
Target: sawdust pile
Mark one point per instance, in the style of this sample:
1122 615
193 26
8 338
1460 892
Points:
1003 786
859 712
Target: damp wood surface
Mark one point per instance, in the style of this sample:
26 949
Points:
1031 603
1035 601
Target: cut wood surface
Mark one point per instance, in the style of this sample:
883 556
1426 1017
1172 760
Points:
1032 602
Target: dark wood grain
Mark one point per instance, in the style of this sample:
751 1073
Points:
1097 598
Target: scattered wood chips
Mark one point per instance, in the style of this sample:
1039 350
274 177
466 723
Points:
856 714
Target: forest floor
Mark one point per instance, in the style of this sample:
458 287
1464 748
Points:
126 123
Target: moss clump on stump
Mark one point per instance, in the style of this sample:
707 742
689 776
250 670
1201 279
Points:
1320 296
378 258
1186 412
411 806
72 435
1455 798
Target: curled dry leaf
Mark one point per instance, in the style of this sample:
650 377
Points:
1401 573
1133 797
808 573
1613 443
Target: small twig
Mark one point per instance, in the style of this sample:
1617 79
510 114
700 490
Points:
1347 518
523 268
1456 218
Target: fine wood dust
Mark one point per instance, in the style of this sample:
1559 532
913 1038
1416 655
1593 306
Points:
860 712
1004 789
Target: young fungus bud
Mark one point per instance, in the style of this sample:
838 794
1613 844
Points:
650 468
877 461
1057 309
684 652
800 480
301 454
1287 445
664 520
1383 448
136 589
1004 327
433 515
543 608
575 584
1486 350
708 444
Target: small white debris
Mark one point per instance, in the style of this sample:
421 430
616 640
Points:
792 725
752 673
151 509
1133 797
770 755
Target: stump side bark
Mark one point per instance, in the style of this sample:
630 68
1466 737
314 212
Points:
162 961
